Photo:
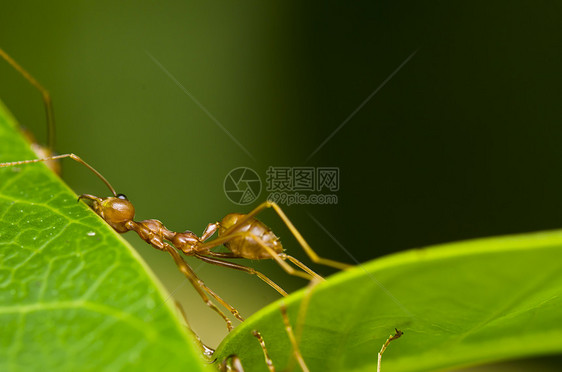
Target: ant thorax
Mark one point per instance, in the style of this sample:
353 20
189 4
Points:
187 242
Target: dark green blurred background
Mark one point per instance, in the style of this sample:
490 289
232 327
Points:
464 141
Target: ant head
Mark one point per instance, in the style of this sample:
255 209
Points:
116 211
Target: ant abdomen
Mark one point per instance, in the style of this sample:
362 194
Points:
246 245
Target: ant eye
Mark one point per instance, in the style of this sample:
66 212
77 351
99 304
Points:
122 197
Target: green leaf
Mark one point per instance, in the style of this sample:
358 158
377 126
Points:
458 304
74 296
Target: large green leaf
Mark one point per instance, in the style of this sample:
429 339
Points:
74 296
458 304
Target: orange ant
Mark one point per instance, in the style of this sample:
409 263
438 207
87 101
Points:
242 234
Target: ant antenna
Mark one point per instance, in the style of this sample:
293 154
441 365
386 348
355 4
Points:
44 93
73 157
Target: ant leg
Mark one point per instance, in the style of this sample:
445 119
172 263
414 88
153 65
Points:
294 343
295 337
200 287
274 255
231 363
302 266
44 93
249 270
206 350
234 312
228 255
281 257
71 156
268 360
308 250
385 345
209 231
